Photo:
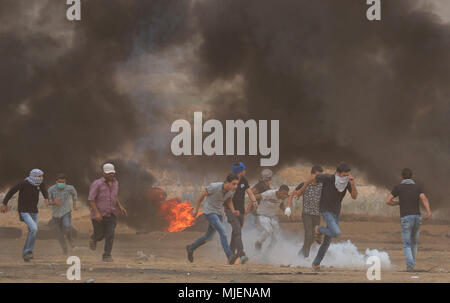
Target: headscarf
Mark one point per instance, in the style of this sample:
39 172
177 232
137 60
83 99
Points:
408 181
341 183
34 178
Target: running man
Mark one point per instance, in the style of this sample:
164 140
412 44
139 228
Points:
334 189
311 208
105 207
271 201
216 195
27 206
410 194
263 184
60 195
237 222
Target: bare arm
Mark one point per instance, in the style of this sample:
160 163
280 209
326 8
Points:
97 215
389 201
354 193
230 205
252 197
291 196
426 204
122 209
199 202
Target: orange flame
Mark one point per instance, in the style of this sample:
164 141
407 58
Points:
178 214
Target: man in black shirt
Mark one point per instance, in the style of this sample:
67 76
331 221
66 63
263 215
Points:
237 222
27 206
334 189
410 194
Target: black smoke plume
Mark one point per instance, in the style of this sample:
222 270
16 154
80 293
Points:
60 109
374 94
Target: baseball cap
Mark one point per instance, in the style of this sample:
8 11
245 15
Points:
108 168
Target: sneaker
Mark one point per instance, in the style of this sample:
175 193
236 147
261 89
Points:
410 269
92 244
65 251
244 259
31 256
258 246
232 259
27 257
190 254
107 259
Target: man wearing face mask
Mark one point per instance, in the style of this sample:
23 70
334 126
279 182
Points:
59 196
334 189
27 206
105 207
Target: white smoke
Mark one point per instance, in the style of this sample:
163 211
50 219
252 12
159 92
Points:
343 254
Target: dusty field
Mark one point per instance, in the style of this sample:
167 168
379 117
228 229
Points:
167 259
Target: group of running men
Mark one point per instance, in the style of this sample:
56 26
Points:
322 197
103 201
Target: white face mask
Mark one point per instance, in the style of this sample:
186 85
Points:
341 183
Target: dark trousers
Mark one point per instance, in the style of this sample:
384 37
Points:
236 222
309 222
63 230
105 230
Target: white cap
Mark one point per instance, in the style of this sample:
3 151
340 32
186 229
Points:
108 168
266 174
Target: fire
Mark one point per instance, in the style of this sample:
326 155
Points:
178 214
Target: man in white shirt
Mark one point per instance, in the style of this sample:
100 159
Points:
271 201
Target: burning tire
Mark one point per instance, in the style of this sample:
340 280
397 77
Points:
10 233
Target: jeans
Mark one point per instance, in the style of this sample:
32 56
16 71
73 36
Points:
270 228
31 220
215 224
410 234
331 231
63 229
236 235
309 223
105 230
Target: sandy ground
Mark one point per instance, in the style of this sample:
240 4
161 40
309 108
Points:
167 257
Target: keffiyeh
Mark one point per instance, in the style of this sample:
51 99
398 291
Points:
34 177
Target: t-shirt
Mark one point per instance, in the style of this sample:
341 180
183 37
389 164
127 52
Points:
269 204
409 197
331 198
261 187
311 198
216 198
64 195
239 195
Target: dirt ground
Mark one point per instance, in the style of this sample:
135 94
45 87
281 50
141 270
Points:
167 256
